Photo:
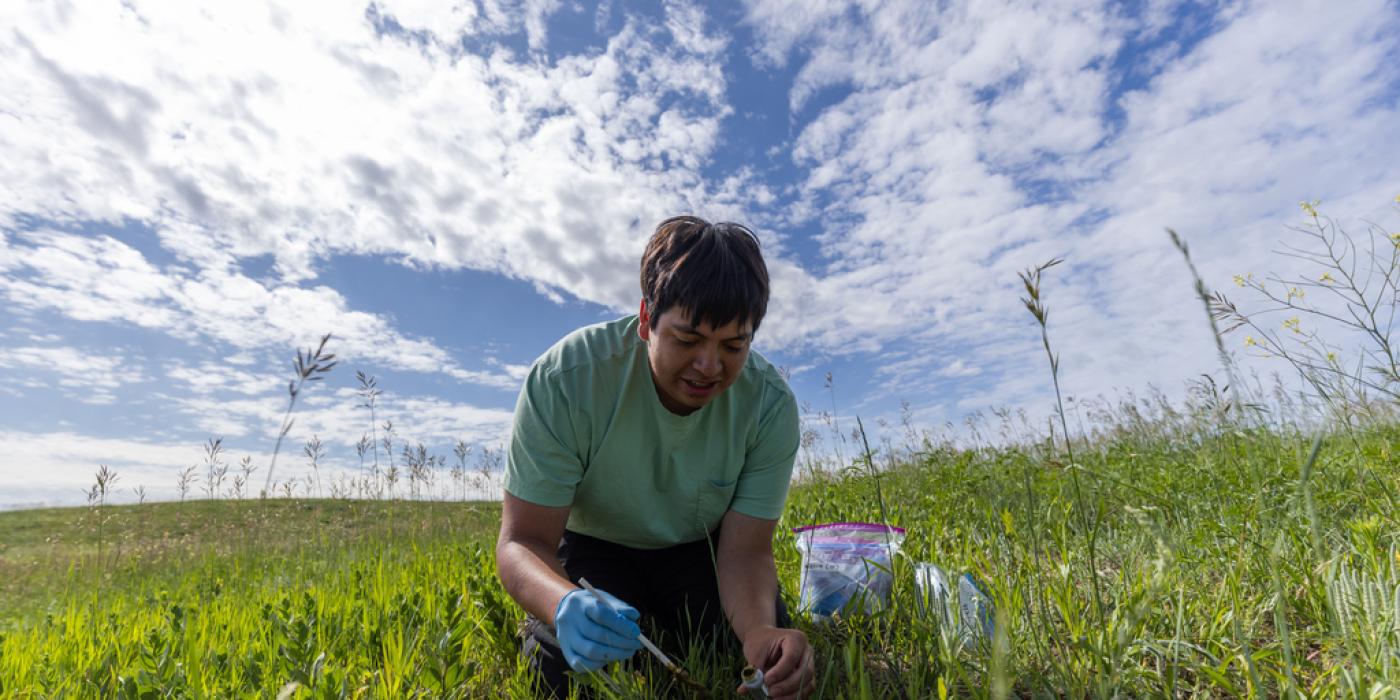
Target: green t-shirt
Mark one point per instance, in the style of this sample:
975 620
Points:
590 433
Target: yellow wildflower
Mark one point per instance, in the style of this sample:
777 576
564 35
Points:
1332 358
1239 280
1395 238
1293 324
1310 208
1326 278
1250 342
1295 292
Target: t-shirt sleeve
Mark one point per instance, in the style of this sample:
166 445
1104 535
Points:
763 483
543 466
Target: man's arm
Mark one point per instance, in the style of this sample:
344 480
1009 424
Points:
527 556
748 589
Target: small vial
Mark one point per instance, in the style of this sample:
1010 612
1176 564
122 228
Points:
753 680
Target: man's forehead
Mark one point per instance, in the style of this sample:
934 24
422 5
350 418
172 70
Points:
680 320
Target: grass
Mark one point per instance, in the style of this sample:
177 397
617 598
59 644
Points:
47 555
1218 580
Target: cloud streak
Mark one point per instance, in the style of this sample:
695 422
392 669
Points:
83 376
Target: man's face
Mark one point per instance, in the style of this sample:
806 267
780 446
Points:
692 365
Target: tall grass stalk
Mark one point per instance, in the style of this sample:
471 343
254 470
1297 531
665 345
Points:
369 392
885 521
836 423
1203 293
309 367
1031 280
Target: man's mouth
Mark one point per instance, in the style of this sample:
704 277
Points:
699 387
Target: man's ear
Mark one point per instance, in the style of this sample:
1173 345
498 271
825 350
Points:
644 324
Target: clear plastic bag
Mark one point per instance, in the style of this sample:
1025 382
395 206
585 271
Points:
931 584
976 613
845 562
969 605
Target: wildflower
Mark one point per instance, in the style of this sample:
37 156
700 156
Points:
1250 342
1395 238
1310 208
1295 292
1293 324
1326 278
1331 358
1239 280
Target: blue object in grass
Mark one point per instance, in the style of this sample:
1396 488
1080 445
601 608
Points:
975 611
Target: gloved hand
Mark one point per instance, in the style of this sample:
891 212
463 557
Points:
591 634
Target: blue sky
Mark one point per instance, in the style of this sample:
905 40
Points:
190 194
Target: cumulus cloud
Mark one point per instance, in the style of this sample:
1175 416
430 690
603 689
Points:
967 142
103 279
336 137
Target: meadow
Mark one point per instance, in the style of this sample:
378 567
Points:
1229 564
1212 547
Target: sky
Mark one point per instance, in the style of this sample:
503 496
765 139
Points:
189 192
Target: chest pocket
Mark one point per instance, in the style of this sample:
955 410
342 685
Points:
712 502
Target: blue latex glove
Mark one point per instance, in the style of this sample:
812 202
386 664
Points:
591 634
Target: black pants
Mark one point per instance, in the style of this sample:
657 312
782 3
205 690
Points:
673 588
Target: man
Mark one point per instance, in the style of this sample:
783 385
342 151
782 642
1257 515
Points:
651 455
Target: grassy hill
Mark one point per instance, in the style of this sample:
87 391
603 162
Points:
50 553
1163 560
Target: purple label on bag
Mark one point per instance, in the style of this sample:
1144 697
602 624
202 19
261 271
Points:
862 527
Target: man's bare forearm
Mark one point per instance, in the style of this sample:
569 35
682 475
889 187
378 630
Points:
533 576
748 590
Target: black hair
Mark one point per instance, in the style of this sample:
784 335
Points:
713 272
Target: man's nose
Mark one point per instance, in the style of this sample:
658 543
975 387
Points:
707 361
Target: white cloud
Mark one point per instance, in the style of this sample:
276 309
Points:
974 140
211 377
82 375
445 20
515 372
337 418
686 21
103 279
959 368
331 139
58 467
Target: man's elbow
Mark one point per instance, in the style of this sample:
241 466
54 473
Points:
508 548
511 547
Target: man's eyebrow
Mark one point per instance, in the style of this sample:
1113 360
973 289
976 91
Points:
687 328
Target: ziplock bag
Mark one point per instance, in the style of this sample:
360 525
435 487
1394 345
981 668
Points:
845 562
